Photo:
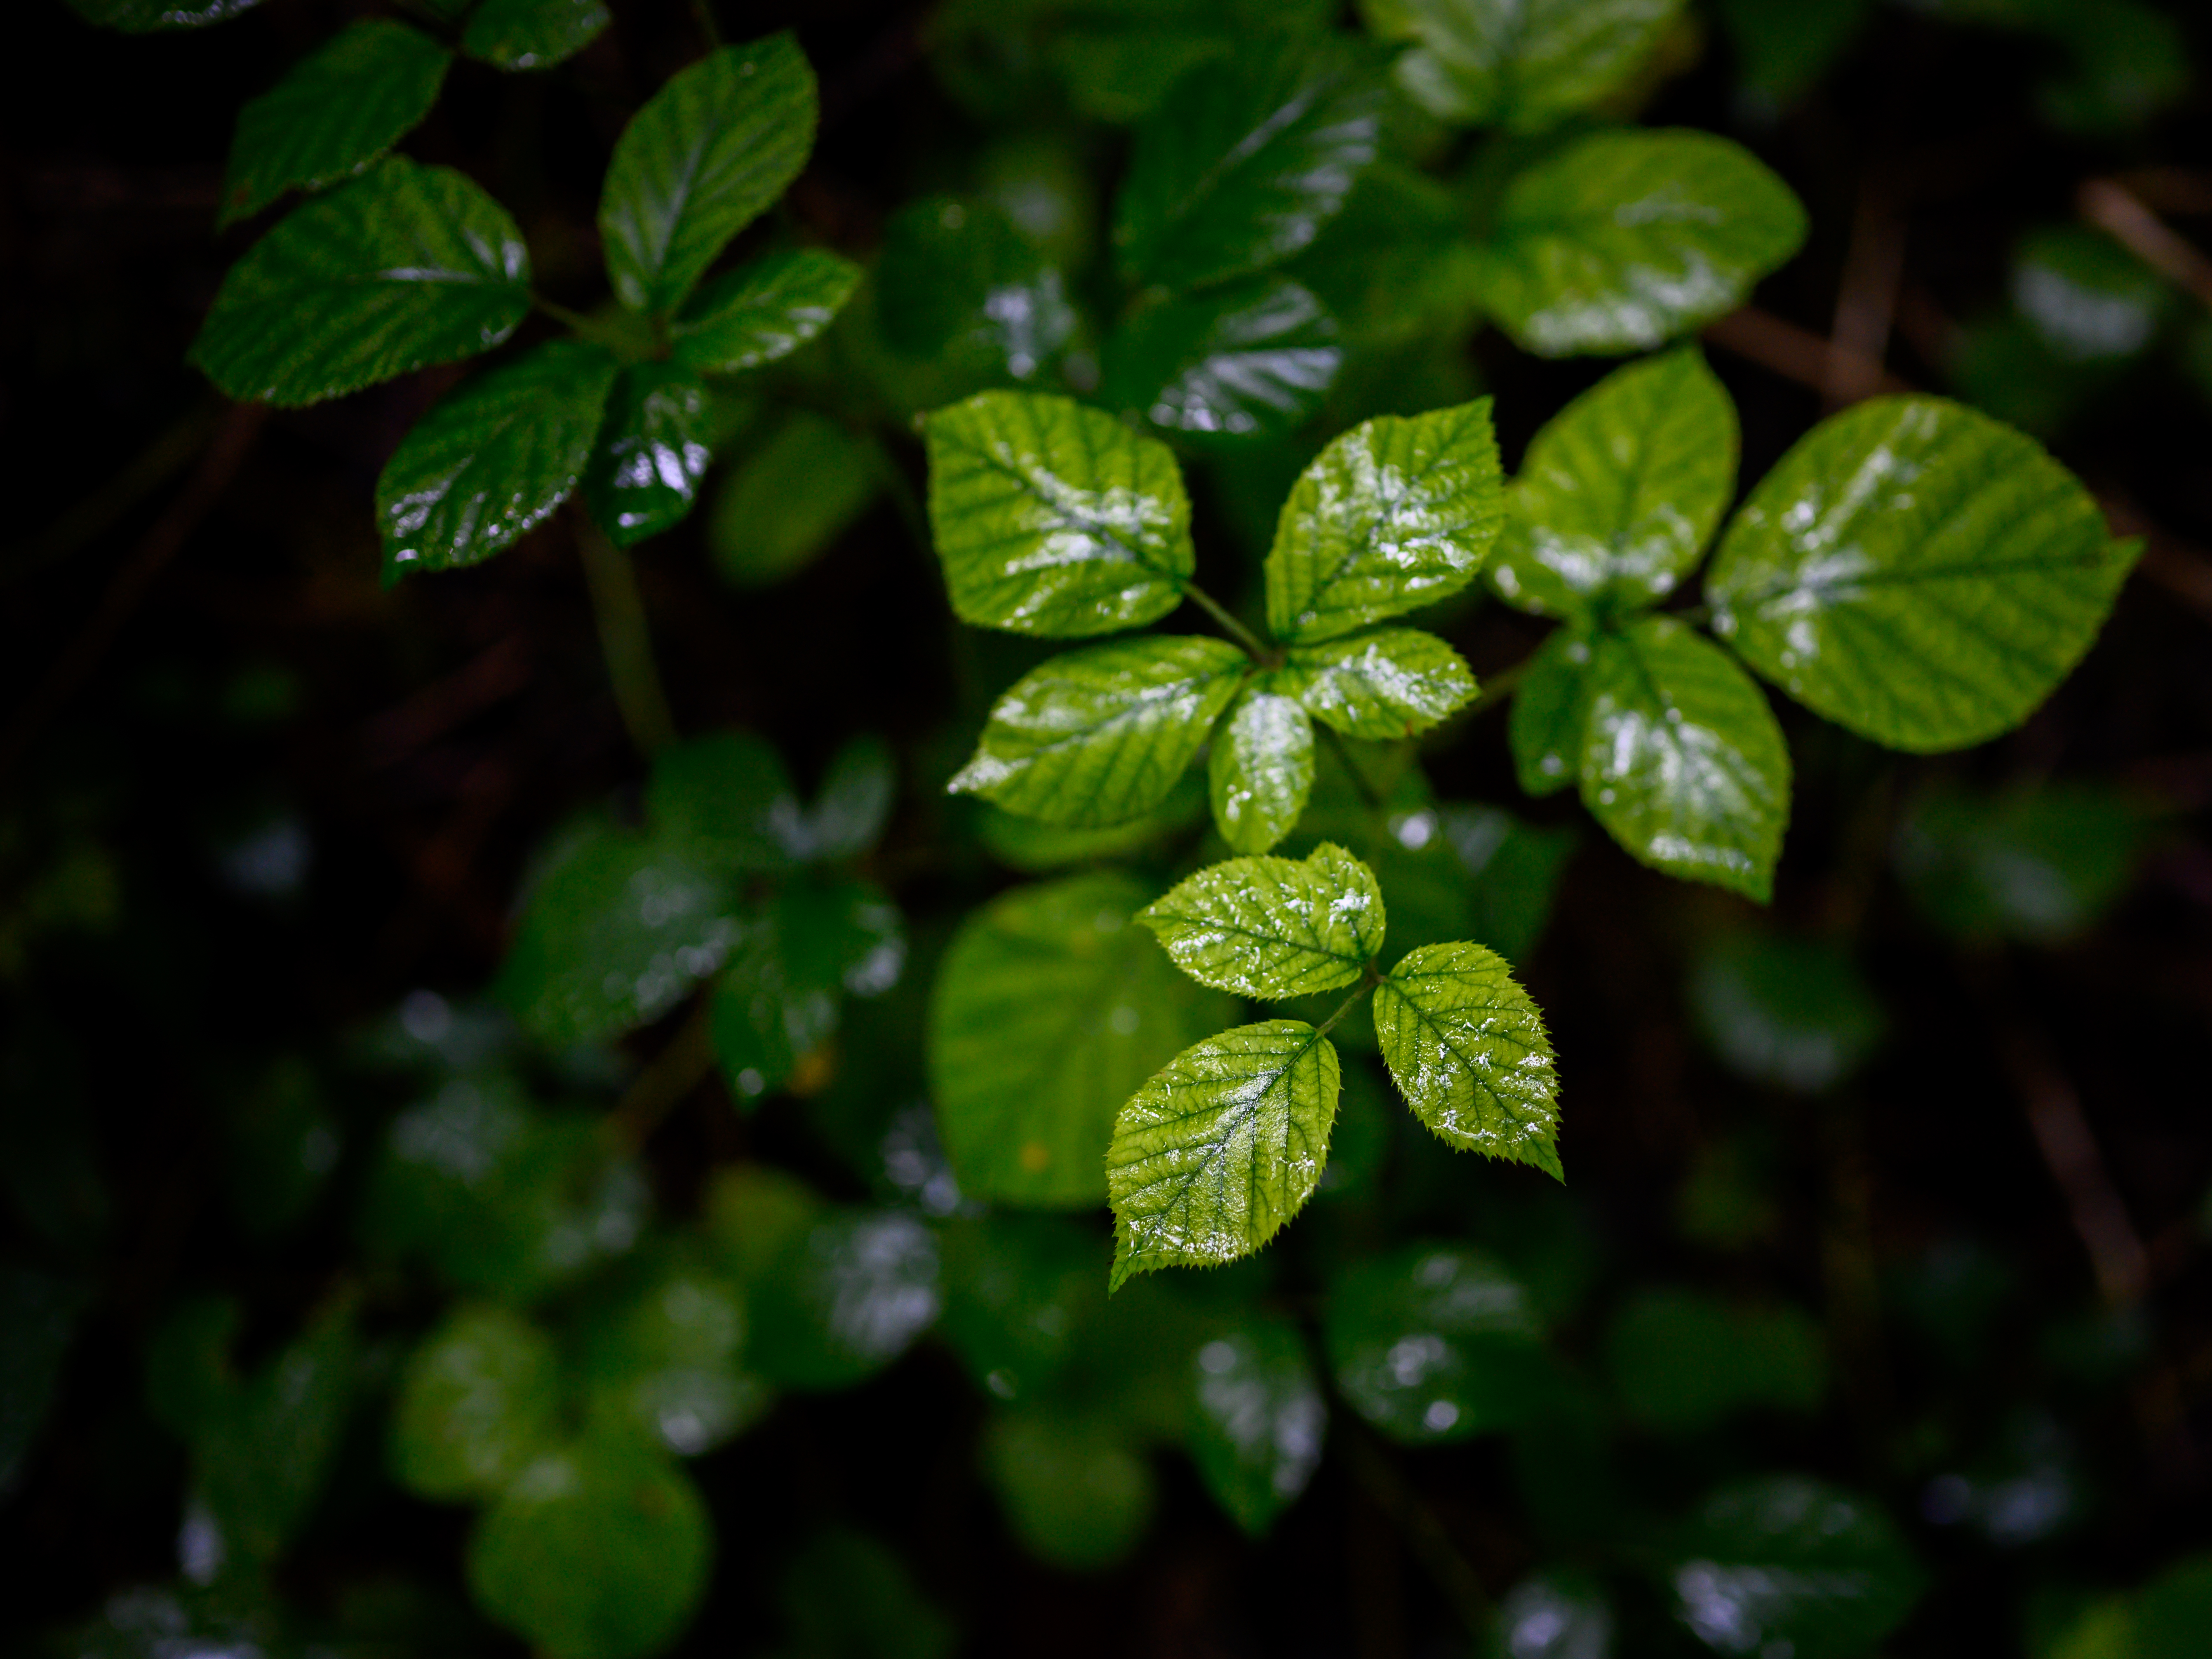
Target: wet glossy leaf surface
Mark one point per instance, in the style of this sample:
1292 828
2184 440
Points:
532 34
1620 492
1099 736
1466 1047
1050 1009
762 312
138 16
478 1401
1788 1012
958 285
1261 767
1053 519
662 1358
844 1299
492 458
1395 513
1256 1435
1270 927
643 475
1522 65
1241 362
1436 1343
796 959
1548 714
1626 239
405 267
1391 683
1682 759
705 157
334 112
1917 573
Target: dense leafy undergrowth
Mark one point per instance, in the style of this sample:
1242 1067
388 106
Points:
845 686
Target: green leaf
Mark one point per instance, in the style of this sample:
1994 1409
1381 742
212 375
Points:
1256 1435
855 801
1682 759
1270 928
530 35
1436 1343
661 1360
1466 1047
1050 1009
492 458
1262 767
1917 573
1550 709
141 16
1524 66
1397 513
1054 518
846 1595
479 1401
335 112
1791 1012
762 312
794 960
599 1551
644 472
1075 1493
1619 492
1239 362
1391 683
844 1299
958 284
726 800
783 505
1099 736
1244 163
1214 1154
2043 862
406 266
1626 239
1018 1291
1685 1361
701 161
1554 1616
1784 1560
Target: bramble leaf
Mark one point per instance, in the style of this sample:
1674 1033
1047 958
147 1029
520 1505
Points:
406 266
531 34
492 458
1261 770
1049 1010
1620 491
701 161
652 449
958 285
1244 163
1256 1435
781 506
726 800
1054 518
844 1298
1099 736
1237 362
793 962
478 1401
1388 683
765 311
1549 710
1397 513
141 16
1522 65
335 112
1682 759
1466 1047
1215 1153
1625 240
660 1357
1270 928
1917 573
1436 1343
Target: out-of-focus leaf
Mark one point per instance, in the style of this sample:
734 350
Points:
847 1597
662 1358
1514 869
844 1298
1551 709
762 312
854 803
1256 1434
1685 1360
1466 1047
1386 683
1554 1616
529 34
139 16
1017 1292
1261 770
2087 298
786 501
1522 65
1270 927
726 799
1783 47
478 1401
652 449
38 1316
2042 865
1242 362
1028 845
793 961
1789 1011
1076 1493
958 283
1435 1343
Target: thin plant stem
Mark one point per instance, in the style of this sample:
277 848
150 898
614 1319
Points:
1499 686
688 1057
1260 652
574 321
624 640
704 15
1335 740
1367 984
1425 1535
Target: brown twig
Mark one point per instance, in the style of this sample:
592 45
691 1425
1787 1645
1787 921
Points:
2121 215
493 675
1866 301
1793 353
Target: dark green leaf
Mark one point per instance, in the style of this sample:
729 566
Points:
1261 767
1523 66
334 112
1625 240
1392 683
644 472
1686 1360
38 1316
958 283
1682 759
1054 518
1099 736
406 266
1783 47
701 161
793 961
478 1402
139 16
1214 1154
493 458
846 1596
529 34
784 504
1436 1343
765 311
1076 1493
1917 573
598 1551
1793 1012
1018 1291
1397 513
1256 1435
1554 1616
1549 710
726 800
1237 362
1244 163
2088 299
844 1299
1466 1048
1049 1010
1515 869
1620 491
1029 845
855 801
2043 863
1271 928
661 1359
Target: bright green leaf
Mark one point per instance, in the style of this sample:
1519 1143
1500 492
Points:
1271 928
662 1357
1522 65
1389 684
726 800
1682 759
765 311
1075 1493
784 504
1627 238
1620 491
1099 736
1054 518
406 266
478 1402
1397 513
1256 1435
334 112
492 458
1466 1047
705 157
643 475
1435 1343
1917 573
1261 767
844 1299
1549 711
530 35
1215 1153
1238 362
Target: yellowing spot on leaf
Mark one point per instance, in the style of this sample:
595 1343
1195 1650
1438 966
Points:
1035 1156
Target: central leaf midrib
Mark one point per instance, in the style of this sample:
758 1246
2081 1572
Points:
1352 962
1908 577
1095 529
1216 1149
1386 506
1445 1036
